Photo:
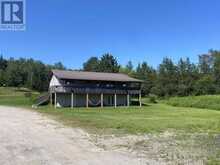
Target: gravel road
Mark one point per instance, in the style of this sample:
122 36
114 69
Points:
29 138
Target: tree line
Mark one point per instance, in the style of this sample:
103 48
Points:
168 79
27 73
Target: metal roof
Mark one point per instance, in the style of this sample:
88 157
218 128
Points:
93 76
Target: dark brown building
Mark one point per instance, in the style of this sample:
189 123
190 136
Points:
84 89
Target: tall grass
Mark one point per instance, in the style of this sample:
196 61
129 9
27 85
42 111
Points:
206 101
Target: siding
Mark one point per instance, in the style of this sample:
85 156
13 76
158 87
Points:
54 82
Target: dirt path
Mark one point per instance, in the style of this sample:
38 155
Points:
27 137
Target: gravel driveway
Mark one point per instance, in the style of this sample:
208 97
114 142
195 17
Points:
29 138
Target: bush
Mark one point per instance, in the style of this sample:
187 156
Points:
152 98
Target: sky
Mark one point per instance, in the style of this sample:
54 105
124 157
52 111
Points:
71 31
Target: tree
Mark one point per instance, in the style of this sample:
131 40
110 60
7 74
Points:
129 66
205 85
40 74
170 79
188 74
27 73
3 63
167 79
2 78
128 69
205 63
216 66
108 63
148 75
14 75
59 66
91 65
3 66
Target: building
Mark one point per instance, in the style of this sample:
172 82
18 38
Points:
89 89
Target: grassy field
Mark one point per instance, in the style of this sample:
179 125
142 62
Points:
17 96
207 102
189 125
151 118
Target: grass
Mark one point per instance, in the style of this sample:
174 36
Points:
148 119
183 120
207 101
17 96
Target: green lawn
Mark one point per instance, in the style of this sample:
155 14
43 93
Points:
17 96
151 118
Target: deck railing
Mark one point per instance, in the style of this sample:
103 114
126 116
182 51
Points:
94 90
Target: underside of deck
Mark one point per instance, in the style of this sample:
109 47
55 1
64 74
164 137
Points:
91 97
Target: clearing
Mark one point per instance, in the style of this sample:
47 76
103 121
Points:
154 134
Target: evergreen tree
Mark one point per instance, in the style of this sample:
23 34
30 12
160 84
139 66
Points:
216 66
3 63
167 80
129 66
187 76
108 63
128 69
91 65
205 63
148 75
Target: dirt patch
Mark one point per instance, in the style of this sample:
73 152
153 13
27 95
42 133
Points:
166 148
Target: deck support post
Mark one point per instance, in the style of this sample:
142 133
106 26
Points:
101 100
72 100
128 100
55 100
115 101
140 99
87 100
51 99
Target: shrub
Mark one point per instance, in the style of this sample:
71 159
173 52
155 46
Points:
152 98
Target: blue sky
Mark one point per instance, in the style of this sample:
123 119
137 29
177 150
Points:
71 31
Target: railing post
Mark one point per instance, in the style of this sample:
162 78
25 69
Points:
102 100
87 100
72 100
128 100
140 99
115 101
55 100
